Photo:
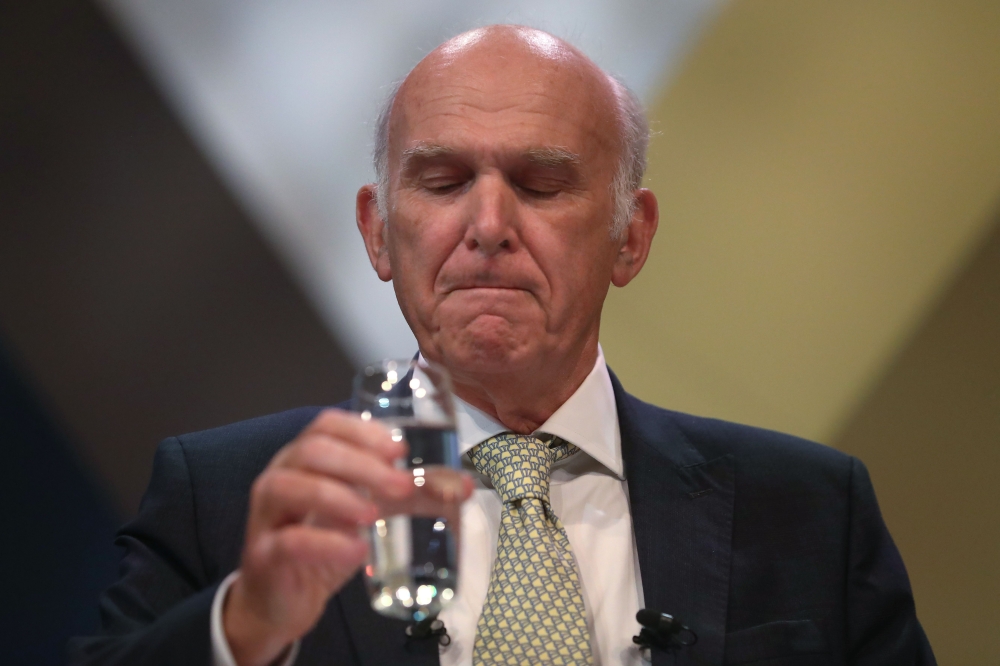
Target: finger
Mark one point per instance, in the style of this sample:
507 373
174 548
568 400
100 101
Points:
441 494
350 427
282 496
443 484
334 458
330 523
313 546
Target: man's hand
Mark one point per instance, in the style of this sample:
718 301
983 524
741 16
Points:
302 538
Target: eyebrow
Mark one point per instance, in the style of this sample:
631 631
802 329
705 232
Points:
425 151
552 157
547 156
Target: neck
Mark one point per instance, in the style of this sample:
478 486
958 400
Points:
522 401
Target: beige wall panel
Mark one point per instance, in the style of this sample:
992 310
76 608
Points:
823 169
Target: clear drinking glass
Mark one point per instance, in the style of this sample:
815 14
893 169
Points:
412 569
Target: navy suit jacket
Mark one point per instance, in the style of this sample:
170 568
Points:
770 547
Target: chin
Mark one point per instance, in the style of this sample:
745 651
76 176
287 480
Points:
485 348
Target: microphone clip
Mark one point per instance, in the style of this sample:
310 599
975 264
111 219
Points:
430 627
662 631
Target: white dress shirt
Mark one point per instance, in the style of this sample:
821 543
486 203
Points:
587 492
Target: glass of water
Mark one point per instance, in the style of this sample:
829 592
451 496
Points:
412 569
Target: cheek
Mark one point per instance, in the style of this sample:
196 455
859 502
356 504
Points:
418 248
578 266
578 295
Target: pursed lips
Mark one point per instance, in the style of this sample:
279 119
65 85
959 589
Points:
488 296
486 287
488 283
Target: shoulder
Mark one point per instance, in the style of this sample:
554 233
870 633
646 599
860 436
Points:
785 486
227 458
234 454
263 434
722 437
759 453
199 490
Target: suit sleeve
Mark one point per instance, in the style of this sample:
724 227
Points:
882 623
158 611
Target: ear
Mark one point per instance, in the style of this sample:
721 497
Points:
373 230
637 239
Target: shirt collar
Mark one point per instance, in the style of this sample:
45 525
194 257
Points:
588 419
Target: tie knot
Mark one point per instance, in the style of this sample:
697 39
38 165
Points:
519 465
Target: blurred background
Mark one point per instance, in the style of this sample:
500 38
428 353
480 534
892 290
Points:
178 251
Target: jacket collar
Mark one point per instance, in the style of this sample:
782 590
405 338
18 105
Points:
588 419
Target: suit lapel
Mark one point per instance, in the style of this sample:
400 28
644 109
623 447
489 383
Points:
682 515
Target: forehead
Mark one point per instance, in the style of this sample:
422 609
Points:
491 103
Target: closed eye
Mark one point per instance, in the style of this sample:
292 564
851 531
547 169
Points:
538 193
443 187
540 188
545 181
443 181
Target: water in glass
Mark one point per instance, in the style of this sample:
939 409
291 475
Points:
412 570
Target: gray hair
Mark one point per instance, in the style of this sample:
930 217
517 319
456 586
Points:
380 152
633 130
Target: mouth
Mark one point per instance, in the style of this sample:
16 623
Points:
487 276
486 281
486 287
488 292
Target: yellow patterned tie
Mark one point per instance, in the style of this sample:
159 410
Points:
534 611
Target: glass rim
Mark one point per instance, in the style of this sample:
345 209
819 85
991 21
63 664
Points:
396 370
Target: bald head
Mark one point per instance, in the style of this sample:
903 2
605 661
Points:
502 62
504 159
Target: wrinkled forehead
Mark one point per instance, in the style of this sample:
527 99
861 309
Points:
536 91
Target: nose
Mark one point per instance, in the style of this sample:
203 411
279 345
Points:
493 222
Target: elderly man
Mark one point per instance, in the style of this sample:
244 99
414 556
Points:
508 201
